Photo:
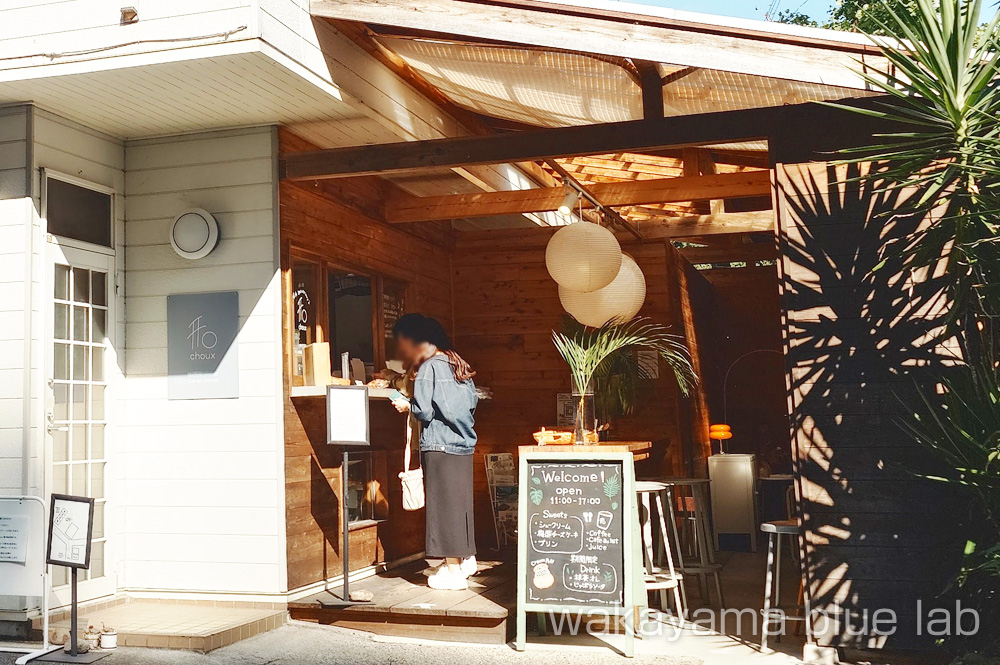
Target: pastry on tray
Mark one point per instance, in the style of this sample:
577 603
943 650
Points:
553 437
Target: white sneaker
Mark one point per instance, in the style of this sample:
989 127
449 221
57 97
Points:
469 566
446 580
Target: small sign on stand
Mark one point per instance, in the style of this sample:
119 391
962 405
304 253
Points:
71 530
347 425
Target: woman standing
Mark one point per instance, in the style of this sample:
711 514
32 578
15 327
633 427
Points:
443 401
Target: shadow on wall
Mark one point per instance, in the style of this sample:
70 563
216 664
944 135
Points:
859 341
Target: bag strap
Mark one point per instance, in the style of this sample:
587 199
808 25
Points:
409 443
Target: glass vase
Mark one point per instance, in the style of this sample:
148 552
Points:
585 418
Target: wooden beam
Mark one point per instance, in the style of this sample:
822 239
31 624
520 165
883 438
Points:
539 145
637 192
615 218
652 89
774 53
706 225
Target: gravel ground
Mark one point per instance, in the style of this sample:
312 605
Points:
308 644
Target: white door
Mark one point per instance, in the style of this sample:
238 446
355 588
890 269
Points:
81 364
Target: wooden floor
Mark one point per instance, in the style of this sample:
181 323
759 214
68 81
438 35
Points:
404 606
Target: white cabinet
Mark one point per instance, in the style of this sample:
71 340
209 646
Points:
734 497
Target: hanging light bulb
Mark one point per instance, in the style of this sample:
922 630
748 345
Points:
569 202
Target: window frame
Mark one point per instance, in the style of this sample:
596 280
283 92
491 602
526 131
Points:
45 174
323 333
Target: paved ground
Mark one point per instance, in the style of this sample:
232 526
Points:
307 644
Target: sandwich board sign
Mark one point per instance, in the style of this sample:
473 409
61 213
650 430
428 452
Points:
579 543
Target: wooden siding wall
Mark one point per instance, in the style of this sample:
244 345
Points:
877 536
16 233
506 307
203 478
312 468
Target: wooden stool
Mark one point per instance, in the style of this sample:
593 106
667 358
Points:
772 580
658 578
700 557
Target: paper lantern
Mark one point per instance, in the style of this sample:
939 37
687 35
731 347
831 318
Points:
621 299
583 257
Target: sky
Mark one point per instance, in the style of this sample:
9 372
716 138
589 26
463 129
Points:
757 9
818 9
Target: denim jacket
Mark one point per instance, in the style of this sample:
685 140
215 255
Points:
445 407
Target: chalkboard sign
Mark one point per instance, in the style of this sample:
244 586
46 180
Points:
579 547
575 549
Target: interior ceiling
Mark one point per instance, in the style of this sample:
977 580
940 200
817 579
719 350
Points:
510 87
556 89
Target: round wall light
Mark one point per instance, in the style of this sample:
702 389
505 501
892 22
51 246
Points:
194 234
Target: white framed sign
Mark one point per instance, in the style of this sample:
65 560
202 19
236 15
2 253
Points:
71 528
347 422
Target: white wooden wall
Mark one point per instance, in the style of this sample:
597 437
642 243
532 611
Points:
15 240
35 30
204 479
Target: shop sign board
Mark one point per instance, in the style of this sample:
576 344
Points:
202 357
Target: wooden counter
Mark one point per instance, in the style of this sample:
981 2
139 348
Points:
640 449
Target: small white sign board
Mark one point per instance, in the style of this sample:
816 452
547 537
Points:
22 547
347 416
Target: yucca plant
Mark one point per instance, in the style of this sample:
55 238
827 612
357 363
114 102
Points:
961 427
944 145
588 350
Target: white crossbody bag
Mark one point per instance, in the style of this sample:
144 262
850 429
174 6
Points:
411 479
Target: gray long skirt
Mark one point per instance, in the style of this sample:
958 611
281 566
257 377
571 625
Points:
448 505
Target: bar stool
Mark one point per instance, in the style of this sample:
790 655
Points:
658 578
772 580
700 557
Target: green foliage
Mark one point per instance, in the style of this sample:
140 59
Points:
605 359
944 145
962 428
536 495
868 16
795 17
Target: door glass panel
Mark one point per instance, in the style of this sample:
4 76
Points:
97 362
62 283
81 327
60 402
81 285
80 353
60 362
61 321
100 318
60 445
99 291
79 409
97 441
79 372
78 437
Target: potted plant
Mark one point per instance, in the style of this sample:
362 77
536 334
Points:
591 352
109 637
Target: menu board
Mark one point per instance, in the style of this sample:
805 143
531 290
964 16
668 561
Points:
575 533
393 305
